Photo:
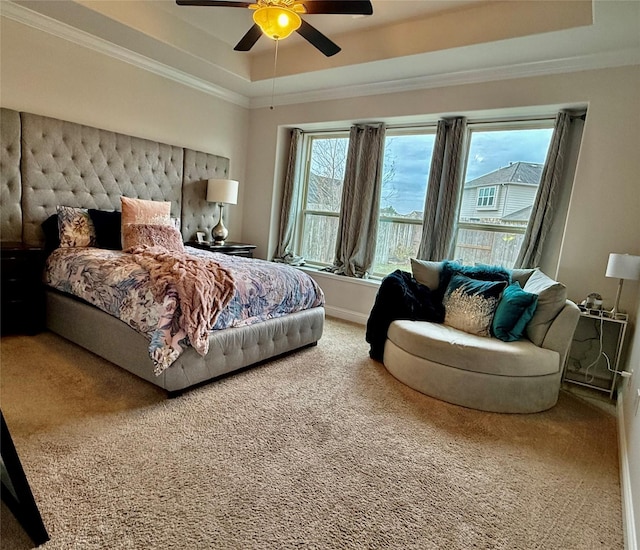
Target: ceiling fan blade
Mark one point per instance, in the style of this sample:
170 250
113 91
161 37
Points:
350 7
249 39
319 40
219 3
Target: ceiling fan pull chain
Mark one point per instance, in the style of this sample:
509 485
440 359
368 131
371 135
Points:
273 83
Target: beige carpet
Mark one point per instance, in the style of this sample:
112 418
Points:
323 449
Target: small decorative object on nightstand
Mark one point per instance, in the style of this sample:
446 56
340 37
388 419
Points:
221 191
230 248
22 308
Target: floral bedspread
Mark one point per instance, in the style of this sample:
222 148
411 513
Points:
113 282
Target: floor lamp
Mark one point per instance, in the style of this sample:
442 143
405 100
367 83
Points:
622 266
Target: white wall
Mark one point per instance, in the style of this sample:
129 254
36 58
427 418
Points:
42 74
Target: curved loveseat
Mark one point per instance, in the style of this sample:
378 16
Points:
485 372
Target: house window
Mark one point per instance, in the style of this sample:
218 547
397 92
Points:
486 197
504 163
407 157
405 173
326 157
493 219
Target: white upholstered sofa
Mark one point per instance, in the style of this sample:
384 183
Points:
481 372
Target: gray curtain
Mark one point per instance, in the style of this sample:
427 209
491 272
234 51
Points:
443 191
289 205
358 225
544 205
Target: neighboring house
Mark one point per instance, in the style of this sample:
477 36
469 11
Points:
502 197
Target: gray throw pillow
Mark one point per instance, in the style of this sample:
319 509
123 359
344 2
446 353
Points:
552 296
426 273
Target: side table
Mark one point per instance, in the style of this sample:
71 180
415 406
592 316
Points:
231 248
596 350
22 292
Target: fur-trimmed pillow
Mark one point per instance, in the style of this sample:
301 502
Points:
147 235
144 211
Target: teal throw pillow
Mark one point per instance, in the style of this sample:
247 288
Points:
479 272
514 311
471 304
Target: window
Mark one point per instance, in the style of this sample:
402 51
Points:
326 157
493 218
405 173
503 166
486 197
407 157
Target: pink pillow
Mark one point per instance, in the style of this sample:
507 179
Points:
143 234
144 211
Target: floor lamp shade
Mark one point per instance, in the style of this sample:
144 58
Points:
622 266
221 191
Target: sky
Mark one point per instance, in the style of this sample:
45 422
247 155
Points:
410 157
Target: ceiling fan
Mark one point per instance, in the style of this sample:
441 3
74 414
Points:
279 18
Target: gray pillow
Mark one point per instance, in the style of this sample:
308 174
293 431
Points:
426 273
521 275
552 296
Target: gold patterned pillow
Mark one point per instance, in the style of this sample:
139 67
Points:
75 227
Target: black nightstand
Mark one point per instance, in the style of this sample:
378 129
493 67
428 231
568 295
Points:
233 249
22 291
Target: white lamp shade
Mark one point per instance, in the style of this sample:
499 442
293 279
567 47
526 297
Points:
623 266
222 191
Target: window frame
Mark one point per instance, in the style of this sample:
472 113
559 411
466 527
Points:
545 121
542 122
304 175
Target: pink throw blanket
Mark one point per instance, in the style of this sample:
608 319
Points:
204 288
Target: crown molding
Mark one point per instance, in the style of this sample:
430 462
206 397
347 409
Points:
506 72
51 26
25 16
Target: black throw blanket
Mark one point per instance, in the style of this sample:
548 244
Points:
400 297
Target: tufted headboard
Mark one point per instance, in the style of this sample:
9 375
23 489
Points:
48 162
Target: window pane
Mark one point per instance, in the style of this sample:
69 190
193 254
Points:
501 181
397 244
475 246
319 239
405 173
326 173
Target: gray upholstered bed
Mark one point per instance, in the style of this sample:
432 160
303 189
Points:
48 162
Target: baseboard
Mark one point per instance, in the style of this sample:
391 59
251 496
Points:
346 314
628 515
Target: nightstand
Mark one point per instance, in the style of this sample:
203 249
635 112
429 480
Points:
596 350
231 248
22 291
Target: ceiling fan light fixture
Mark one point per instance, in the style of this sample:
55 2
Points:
277 22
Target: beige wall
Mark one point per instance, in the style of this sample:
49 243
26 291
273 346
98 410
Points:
604 212
42 74
629 418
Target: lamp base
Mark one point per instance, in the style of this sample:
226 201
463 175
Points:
219 233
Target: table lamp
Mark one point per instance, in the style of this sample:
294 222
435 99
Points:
622 266
223 192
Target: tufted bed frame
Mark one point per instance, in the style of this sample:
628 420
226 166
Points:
47 162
